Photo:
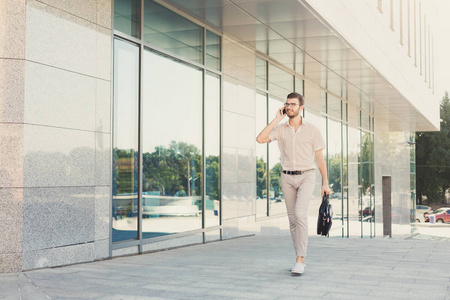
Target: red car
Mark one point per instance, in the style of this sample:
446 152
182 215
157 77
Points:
440 215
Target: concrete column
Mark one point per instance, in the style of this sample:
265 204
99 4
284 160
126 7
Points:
12 78
55 172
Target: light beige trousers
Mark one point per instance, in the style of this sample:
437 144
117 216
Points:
297 192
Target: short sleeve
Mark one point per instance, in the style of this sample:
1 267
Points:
273 135
318 142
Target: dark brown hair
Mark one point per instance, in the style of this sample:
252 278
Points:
296 96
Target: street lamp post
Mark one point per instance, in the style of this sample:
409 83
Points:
188 178
188 173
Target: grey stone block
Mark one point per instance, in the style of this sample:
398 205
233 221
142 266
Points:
58 256
56 217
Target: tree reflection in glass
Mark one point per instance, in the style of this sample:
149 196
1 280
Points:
277 205
125 148
172 143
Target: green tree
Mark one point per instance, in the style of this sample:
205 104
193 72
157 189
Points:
212 177
275 179
261 177
166 169
433 159
334 176
125 171
366 146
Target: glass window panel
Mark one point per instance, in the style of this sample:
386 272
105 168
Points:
365 121
212 149
372 158
412 152
299 85
334 157
172 155
313 117
412 182
354 148
365 146
344 112
261 74
354 141
344 154
212 50
280 82
366 178
323 120
334 106
276 199
312 96
323 101
367 211
345 213
280 50
334 171
127 17
261 157
125 147
344 94
299 66
366 168
359 174
165 29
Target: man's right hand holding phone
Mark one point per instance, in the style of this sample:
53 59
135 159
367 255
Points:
281 113
263 136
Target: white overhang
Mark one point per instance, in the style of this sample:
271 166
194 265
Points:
294 34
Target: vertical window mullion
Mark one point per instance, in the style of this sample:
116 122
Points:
268 148
140 116
203 135
268 154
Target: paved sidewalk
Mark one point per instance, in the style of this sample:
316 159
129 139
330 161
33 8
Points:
253 268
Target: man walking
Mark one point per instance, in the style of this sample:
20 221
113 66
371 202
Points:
299 142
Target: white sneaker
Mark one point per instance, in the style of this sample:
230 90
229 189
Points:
290 269
298 269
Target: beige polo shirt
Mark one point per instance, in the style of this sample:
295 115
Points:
297 148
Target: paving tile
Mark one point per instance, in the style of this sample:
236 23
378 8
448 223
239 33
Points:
252 268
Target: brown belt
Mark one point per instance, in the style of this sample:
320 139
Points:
297 172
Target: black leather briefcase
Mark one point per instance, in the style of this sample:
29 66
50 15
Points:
325 216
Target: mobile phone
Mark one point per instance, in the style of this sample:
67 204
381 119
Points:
284 111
